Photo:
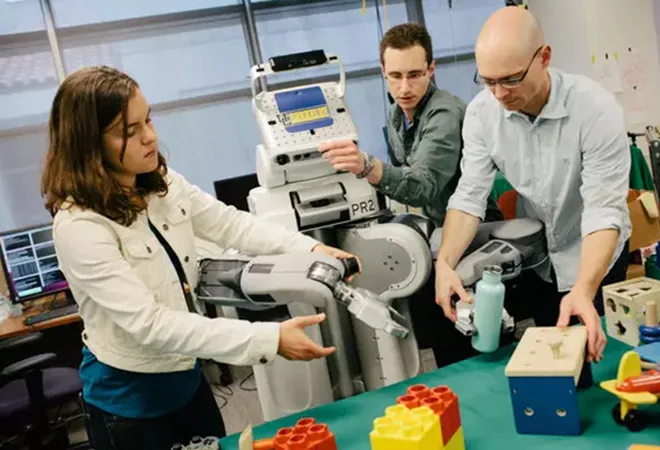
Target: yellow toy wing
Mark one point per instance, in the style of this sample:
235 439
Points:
636 398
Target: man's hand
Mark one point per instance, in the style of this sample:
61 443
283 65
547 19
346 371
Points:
343 155
295 345
447 283
581 304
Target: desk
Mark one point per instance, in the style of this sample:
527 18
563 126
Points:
486 412
15 326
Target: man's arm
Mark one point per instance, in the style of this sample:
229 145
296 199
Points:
466 209
596 255
462 227
436 163
604 190
605 181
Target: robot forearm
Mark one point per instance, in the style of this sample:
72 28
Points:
266 281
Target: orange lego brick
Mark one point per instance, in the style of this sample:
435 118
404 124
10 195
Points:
442 401
305 435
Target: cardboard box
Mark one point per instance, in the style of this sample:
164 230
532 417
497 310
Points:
643 209
635 271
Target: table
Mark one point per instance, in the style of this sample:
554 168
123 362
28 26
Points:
486 413
15 326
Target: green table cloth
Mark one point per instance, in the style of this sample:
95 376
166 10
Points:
486 412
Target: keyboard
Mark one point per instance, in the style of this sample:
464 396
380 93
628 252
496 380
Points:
52 314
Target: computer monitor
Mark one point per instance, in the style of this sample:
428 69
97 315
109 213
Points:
30 264
235 191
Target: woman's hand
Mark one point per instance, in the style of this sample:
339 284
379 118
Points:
336 253
295 345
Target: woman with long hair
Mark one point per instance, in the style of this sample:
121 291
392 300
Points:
124 230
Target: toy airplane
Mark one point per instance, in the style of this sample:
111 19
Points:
633 388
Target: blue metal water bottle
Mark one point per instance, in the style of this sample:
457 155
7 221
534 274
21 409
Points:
488 306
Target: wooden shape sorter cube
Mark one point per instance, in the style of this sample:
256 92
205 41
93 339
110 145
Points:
625 307
543 373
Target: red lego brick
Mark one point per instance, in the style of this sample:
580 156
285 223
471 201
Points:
420 391
442 401
450 417
305 435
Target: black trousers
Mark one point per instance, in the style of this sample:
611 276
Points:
532 297
528 296
200 417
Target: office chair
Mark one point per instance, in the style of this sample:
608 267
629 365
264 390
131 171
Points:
28 388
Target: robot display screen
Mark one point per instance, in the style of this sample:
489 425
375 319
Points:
307 115
303 109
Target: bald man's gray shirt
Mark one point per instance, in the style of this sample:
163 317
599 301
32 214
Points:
570 166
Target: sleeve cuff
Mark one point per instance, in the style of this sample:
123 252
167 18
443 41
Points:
390 180
600 219
265 342
466 205
305 244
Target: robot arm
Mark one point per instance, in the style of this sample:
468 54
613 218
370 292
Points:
267 281
512 245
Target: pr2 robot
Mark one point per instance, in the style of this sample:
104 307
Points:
367 321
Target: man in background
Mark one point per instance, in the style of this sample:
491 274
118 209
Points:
424 134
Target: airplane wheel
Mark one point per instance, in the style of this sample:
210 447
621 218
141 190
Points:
634 420
616 414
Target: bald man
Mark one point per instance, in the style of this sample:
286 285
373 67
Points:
560 140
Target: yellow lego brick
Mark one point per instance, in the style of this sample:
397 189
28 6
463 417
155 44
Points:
457 441
406 429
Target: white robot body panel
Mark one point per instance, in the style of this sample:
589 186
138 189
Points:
396 252
307 205
293 123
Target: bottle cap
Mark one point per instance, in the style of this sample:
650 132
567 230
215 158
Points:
492 272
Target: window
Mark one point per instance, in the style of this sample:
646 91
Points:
367 102
68 13
209 142
21 155
192 62
454 30
456 77
172 61
337 27
27 85
20 16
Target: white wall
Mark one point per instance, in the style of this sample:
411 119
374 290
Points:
616 26
656 16
569 42
580 30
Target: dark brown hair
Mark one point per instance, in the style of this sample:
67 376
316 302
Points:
76 172
404 36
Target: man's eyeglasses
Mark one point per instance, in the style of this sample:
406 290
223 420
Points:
412 77
507 82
